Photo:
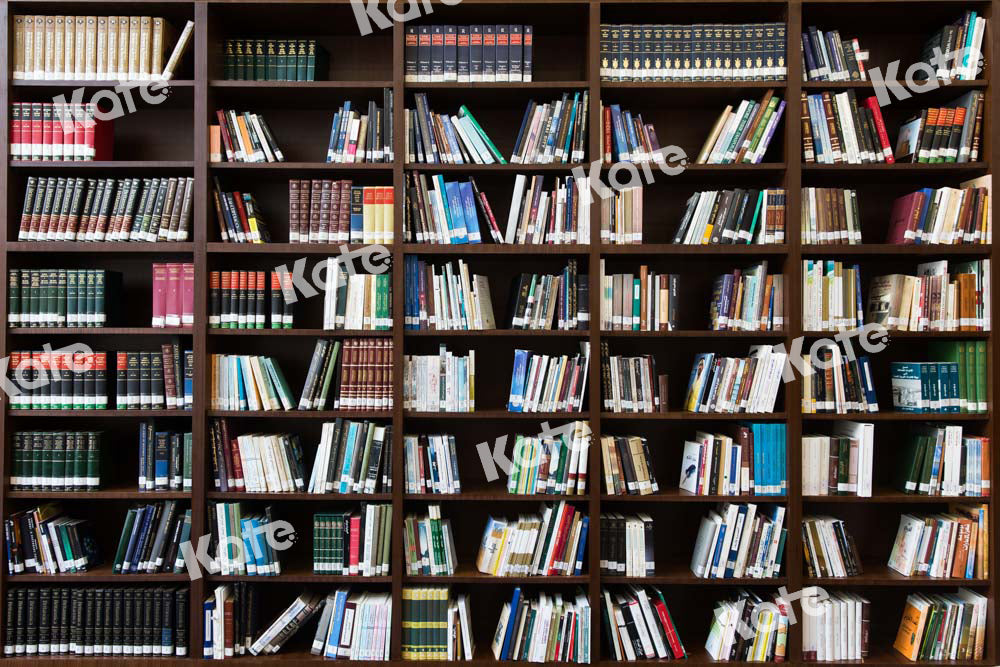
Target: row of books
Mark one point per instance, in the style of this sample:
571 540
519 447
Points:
751 462
155 380
551 301
946 215
340 634
627 545
943 626
352 457
239 216
552 462
165 459
433 138
830 216
829 550
626 138
106 209
534 629
735 384
938 298
446 213
961 41
468 53
431 463
954 544
628 466
239 602
151 539
836 129
738 216
240 540
956 383
446 297
750 299
255 462
942 461
61 297
442 382
56 131
560 215
356 301
553 132
329 211
639 625
436 625
429 544
273 60
242 136
740 540
743 135
692 52
364 380
631 384
548 382
550 543
839 464
239 300
56 460
837 383
647 301
621 216
108 48
838 627
44 540
828 57
729 638
353 543
831 296
362 137
64 621
173 295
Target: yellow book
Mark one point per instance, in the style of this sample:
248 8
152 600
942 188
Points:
50 47
38 57
28 48
124 28
69 47
90 37
59 37
111 70
911 627
145 46
101 68
133 48
19 46
80 48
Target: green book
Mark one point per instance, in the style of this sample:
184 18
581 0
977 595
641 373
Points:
981 397
228 61
952 352
464 111
272 60
328 376
14 297
60 305
92 456
259 60
58 461
301 60
280 383
911 457
123 541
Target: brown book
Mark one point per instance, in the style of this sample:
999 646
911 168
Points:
293 209
328 208
19 39
808 148
831 124
315 207
344 212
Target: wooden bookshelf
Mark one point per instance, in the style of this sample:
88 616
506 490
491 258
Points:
172 139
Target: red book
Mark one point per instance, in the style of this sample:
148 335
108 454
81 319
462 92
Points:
15 130
883 136
159 295
237 464
48 130
227 141
242 214
607 135
668 629
187 295
99 362
37 132
558 535
173 291
169 380
68 129
79 138
98 136
355 550
903 218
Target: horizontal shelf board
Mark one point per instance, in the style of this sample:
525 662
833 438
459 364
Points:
869 84
978 250
494 249
103 164
468 575
763 168
269 85
677 415
85 246
912 335
496 415
693 85
331 249
102 494
497 333
495 168
302 414
93 83
102 573
678 573
677 249
121 414
891 495
694 333
486 495
304 166
299 332
674 495
497 85
943 167
901 416
880 575
237 496
302 577
105 331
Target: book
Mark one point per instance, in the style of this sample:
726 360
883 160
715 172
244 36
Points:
353 543
547 382
151 537
735 384
82 136
743 135
255 462
106 209
831 296
829 57
835 383
58 380
830 216
341 634
929 617
291 620
165 459
938 298
553 132
626 138
640 301
841 615
154 380
621 216
71 461
45 540
829 549
352 457
729 217
528 627
549 543
631 384
246 137
274 60
541 215
627 545
356 301
247 300
692 52
841 463
337 211
938 386
436 53
765 641
840 129
961 43
440 211
751 461
173 295
946 215
429 544
62 298
442 382
749 299
436 625
944 461
231 620
449 297
357 137
239 216
431 463
628 466
551 463
954 544
433 138
639 625
740 540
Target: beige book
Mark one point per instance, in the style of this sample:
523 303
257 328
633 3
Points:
101 70
175 55
28 49
145 46
123 42
50 47
38 57
91 53
163 35
69 46
80 50
59 37
112 66
19 46
133 48
713 136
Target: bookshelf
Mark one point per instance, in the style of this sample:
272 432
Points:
172 139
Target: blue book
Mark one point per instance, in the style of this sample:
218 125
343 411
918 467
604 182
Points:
452 139
143 538
456 212
633 140
345 126
185 536
357 214
331 145
620 150
345 471
469 207
241 390
953 377
249 549
582 548
868 384
336 622
442 189
209 609
718 551
516 400
142 458
515 601
569 133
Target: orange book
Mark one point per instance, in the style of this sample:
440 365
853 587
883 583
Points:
388 216
214 143
911 628
245 137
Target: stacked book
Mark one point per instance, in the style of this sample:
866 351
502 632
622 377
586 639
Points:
731 640
242 540
337 637
743 135
631 384
621 216
944 134
435 625
828 57
551 301
61 297
627 545
322 210
151 539
628 466
165 459
836 383
468 53
547 382
54 131
59 380
551 464
242 137
447 211
560 215
844 618
555 132
239 299
446 298
273 60
831 296
239 216
627 138
957 383
830 216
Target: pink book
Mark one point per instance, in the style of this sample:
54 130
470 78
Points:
159 295
903 218
173 310
187 296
